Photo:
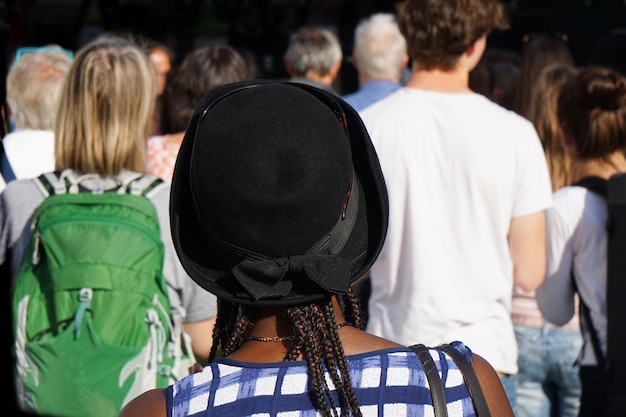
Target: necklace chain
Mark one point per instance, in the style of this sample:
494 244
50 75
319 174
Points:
285 338
270 339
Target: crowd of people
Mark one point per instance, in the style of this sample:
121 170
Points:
311 235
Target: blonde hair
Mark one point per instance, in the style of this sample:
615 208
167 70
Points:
106 108
33 88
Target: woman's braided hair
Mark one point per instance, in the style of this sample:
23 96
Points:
317 341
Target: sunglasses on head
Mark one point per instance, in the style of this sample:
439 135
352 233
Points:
29 49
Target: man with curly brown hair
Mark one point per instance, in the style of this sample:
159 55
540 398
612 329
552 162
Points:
468 186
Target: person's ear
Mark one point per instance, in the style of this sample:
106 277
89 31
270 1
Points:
404 65
405 62
334 71
475 52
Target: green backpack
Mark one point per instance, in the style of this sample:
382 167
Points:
91 313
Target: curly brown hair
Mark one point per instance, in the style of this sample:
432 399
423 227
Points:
317 341
438 32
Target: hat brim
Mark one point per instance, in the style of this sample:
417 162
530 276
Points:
361 249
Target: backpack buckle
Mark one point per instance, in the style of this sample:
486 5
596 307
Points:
85 295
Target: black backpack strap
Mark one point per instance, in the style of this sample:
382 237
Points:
432 374
471 379
595 184
599 186
585 315
5 166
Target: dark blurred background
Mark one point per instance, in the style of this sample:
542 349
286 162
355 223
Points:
261 28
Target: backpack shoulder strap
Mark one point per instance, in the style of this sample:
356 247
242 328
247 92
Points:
5 167
595 184
600 187
471 379
51 183
60 182
68 181
434 381
141 184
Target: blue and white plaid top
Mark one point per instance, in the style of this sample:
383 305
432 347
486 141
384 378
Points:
388 382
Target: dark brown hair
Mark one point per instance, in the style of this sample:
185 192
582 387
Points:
592 110
202 70
438 32
317 341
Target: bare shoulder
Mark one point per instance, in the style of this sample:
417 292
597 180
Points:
151 403
492 387
357 341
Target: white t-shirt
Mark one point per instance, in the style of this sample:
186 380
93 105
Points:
458 168
30 153
577 240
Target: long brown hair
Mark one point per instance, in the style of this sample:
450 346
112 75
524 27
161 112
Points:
540 51
542 112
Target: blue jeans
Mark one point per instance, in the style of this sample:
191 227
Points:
548 383
509 384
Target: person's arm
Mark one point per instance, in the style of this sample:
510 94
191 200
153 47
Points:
201 334
556 295
151 403
527 244
495 395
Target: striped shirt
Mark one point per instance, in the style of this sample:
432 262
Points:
388 382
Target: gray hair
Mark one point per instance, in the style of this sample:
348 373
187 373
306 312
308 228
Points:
34 86
379 47
313 48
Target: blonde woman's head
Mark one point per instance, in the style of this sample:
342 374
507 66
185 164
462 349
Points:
106 108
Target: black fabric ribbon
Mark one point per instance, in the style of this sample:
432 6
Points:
264 279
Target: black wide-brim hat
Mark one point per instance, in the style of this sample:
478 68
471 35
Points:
277 198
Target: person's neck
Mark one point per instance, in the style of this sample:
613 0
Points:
272 322
603 168
365 80
175 138
453 81
326 79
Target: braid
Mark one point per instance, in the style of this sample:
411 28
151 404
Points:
220 330
317 341
306 323
352 310
229 329
338 367
240 329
